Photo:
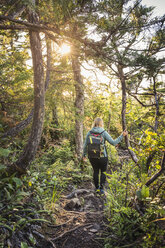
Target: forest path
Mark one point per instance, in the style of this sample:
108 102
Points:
80 220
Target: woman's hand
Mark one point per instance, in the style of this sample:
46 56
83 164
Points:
84 159
125 132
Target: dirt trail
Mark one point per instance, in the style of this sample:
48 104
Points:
80 218
80 221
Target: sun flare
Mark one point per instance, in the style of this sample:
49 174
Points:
65 49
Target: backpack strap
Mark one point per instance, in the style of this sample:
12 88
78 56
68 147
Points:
97 134
104 139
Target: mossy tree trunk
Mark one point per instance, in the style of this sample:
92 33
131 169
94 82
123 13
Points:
30 149
79 105
123 112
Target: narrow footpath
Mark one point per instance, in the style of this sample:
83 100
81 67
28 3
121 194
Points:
80 219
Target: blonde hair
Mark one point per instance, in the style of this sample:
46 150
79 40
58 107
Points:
98 122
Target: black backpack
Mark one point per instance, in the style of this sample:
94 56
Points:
95 145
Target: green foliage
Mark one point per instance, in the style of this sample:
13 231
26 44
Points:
61 152
23 199
123 220
25 245
119 27
127 227
51 173
16 207
113 157
16 92
4 152
10 153
143 193
153 145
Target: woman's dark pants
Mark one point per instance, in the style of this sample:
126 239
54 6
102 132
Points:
99 165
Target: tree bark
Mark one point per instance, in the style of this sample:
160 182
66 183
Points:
109 118
79 105
151 156
19 127
124 102
157 105
49 60
30 149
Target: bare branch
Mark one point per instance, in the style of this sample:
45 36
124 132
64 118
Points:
19 127
13 27
154 177
159 189
144 105
149 160
39 27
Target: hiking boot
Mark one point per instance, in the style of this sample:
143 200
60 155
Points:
102 192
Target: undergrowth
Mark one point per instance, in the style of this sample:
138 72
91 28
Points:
28 202
135 220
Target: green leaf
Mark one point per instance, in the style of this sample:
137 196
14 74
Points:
10 186
40 220
4 152
138 193
22 193
145 192
6 226
21 221
8 194
32 239
24 245
2 167
17 181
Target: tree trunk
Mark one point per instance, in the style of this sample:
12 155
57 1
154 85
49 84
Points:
53 129
124 102
79 105
55 117
39 101
109 118
157 105
19 127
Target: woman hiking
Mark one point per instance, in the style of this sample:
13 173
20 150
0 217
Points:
94 146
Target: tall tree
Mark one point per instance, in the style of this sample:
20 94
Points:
39 99
79 105
120 27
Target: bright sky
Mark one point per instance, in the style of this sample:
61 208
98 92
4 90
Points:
159 6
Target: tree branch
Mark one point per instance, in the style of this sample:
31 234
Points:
13 27
35 26
144 105
19 127
149 160
154 177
